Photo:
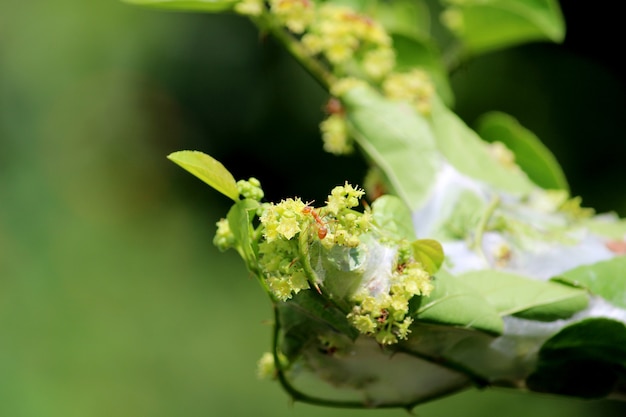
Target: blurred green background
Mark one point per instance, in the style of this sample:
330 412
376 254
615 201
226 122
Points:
113 301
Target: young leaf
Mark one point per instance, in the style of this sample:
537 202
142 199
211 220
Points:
532 156
240 222
455 304
585 360
468 153
398 140
429 253
190 5
394 217
487 25
209 170
512 294
407 17
606 279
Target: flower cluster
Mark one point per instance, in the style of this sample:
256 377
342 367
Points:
414 87
296 15
357 49
250 189
335 135
332 247
339 34
282 259
224 238
385 314
266 366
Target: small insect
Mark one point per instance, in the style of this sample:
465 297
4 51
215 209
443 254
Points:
322 229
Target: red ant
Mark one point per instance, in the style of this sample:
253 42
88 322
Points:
322 230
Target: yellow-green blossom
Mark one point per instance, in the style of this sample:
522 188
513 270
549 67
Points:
283 219
363 323
414 87
335 135
224 237
386 337
266 368
250 7
379 62
295 14
250 189
503 155
403 328
342 197
343 85
280 287
340 34
386 315
313 43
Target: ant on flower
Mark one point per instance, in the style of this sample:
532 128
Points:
322 230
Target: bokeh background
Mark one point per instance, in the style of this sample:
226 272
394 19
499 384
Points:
113 301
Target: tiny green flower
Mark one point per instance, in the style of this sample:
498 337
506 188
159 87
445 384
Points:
299 281
250 189
402 328
379 62
280 287
249 7
288 226
343 85
343 197
413 87
297 15
266 368
363 324
224 238
386 337
313 43
335 135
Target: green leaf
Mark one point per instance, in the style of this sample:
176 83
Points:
393 216
456 304
407 17
606 279
487 25
429 253
240 221
531 155
468 153
527 298
190 5
209 170
397 139
413 52
586 359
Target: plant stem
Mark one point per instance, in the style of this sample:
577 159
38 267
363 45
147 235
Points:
265 22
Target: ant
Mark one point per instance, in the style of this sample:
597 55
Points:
322 230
